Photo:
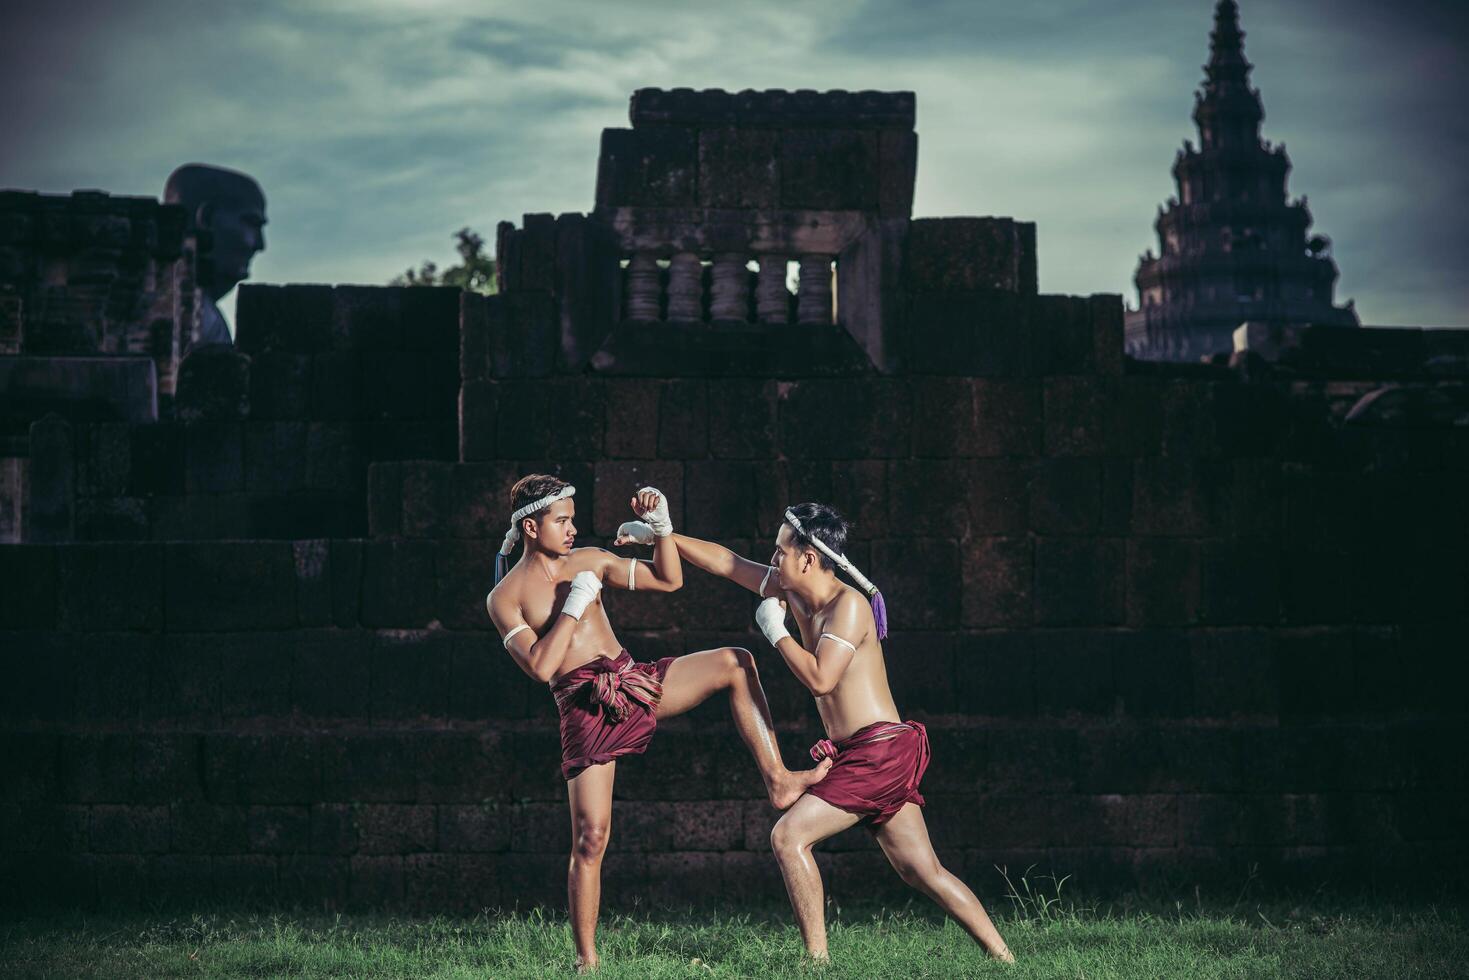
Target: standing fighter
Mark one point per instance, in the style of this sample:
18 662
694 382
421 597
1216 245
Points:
879 758
553 623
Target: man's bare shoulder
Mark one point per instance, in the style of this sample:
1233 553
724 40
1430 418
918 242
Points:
851 610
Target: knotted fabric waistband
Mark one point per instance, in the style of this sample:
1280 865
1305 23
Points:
878 731
614 685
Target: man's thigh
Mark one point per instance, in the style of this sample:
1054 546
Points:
904 839
589 793
693 678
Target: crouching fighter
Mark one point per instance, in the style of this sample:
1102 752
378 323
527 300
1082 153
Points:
548 611
879 759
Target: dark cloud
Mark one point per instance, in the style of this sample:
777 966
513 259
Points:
379 126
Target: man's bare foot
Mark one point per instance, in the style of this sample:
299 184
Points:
586 964
786 789
1004 955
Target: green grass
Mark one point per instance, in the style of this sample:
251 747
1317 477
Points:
1319 939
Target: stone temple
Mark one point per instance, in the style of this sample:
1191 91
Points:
1232 247
1165 623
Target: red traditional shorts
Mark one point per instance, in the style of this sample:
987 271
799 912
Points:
608 709
877 770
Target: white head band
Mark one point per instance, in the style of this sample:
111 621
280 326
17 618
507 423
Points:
841 561
513 535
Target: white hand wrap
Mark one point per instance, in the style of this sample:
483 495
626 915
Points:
658 518
639 532
770 616
584 588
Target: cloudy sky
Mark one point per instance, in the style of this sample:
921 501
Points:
378 127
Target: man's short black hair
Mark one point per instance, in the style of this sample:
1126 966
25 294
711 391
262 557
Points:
824 524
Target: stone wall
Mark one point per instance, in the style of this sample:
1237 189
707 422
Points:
1166 624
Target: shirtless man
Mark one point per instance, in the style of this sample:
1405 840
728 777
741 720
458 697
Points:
880 759
553 623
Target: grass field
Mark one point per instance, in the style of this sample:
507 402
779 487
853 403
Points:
1316 939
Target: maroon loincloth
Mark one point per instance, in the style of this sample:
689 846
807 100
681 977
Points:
876 772
608 709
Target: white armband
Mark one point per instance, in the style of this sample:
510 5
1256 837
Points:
836 639
511 634
764 581
632 575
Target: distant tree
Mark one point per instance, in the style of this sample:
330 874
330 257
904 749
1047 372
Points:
475 271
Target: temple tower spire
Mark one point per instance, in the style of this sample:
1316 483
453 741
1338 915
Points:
1232 245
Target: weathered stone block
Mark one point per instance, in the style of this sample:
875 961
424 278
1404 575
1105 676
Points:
262 768
255 675
897 172
183 682
978 333
738 168
1031 760
431 319
275 457
1107 332
29 765
278 829
214 457
375 882
876 419
995 674
111 586
1078 581
1178 497
1101 416
923 673
1162 582
157 459
213 384
1235 674
204 828
230 586
830 169
296 319
28 586
334 457
370 768
1065 496
921 600
410 676
615 484
367 318
391 828
112 675
1241 581
476 827
96 768
478 409
1074 673
648 168
970 254
397 584
683 420
1153 672
1063 335
129 829
336 386
742 419
720 498
998 573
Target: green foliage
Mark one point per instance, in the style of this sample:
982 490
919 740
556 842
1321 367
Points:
475 271
1050 937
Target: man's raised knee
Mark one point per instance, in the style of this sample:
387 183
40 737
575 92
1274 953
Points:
591 841
783 839
742 659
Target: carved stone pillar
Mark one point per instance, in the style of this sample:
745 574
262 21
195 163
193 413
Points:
813 290
685 289
728 301
643 288
772 299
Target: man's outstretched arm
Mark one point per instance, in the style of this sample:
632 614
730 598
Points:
716 559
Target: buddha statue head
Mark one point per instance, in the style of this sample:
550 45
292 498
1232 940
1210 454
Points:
226 214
